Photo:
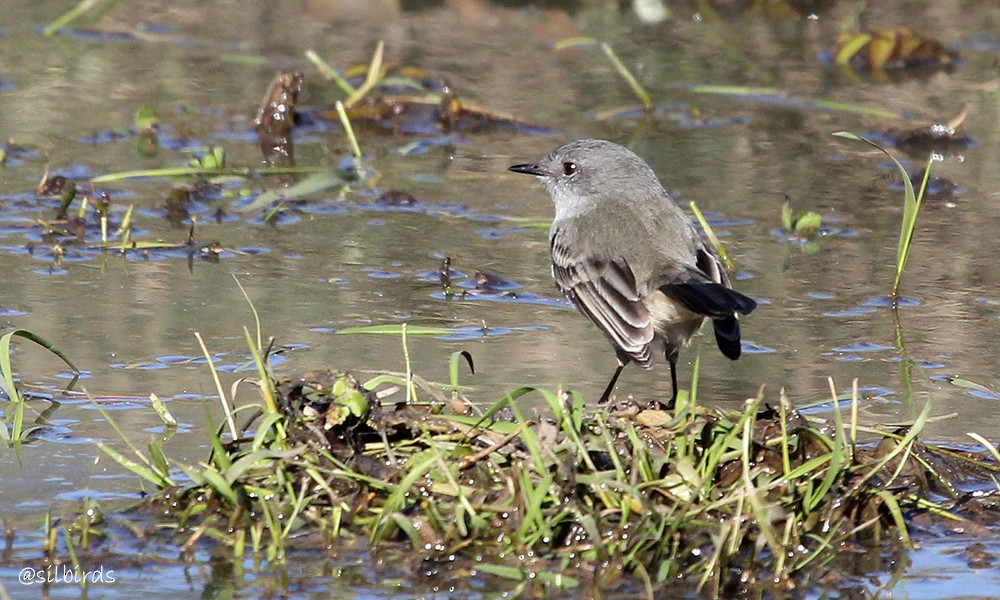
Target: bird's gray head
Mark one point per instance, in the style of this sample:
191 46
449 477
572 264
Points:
583 174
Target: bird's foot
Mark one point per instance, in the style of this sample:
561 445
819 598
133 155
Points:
657 405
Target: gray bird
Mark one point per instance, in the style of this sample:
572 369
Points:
629 258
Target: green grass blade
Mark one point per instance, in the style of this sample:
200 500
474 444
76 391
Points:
911 206
22 333
986 444
219 484
892 505
82 8
374 75
143 471
418 465
147 469
348 130
327 71
314 183
264 382
226 408
773 95
162 411
627 75
173 172
453 363
710 233
253 310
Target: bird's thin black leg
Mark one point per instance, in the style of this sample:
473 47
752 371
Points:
611 385
673 381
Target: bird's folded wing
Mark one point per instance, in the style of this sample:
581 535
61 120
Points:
605 291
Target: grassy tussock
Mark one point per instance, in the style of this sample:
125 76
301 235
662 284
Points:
557 498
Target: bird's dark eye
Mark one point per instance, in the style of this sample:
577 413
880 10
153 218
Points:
569 168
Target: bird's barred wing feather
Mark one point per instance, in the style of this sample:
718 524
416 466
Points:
604 289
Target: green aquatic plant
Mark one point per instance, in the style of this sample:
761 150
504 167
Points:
803 225
212 159
146 120
911 208
12 429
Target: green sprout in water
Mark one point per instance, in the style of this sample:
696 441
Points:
214 158
146 120
911 207
12 415
804 225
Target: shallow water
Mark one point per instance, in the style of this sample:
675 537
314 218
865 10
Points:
334 262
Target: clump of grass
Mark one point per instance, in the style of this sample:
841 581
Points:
561 498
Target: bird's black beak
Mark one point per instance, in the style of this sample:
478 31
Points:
528 169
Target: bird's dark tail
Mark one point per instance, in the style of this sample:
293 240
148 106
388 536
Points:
719 303
710 299
727 336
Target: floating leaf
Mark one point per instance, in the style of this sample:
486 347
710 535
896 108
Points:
803 226
316 182
936 137
849 45
213 159
891 48
968 384
807 224
786 215
146 120
407 100
785 98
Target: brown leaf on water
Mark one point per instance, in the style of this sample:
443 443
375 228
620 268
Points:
402 73
51 186
937 137
491 281
978 556
396 198
74 227
275 119
177 204
277 109
406 100
417 114
890 49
